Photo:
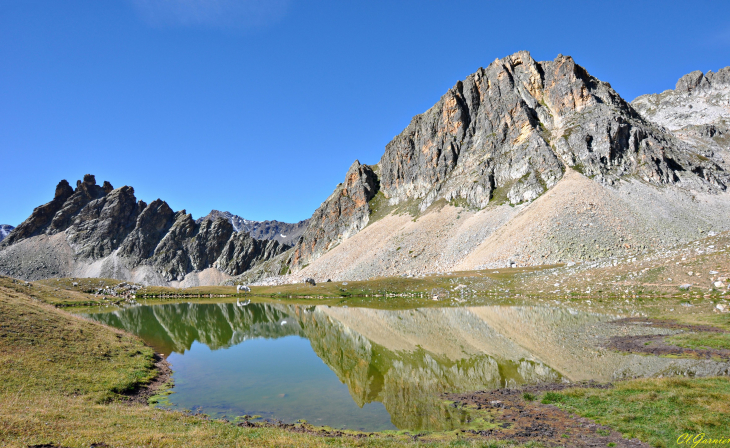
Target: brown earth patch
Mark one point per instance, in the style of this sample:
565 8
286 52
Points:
657 344
142 394
306 428
531 421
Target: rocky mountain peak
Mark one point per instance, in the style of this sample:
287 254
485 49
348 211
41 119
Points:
283 232
108 231
507 134
55 216
688 82
360 184
5 230
511 129
697 80
697 112
63 190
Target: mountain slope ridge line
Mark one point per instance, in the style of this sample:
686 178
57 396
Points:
463 186
507 134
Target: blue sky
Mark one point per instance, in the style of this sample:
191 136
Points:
259 107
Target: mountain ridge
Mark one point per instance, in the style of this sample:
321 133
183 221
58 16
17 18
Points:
283 232
95 231
522 163
5 230
508 134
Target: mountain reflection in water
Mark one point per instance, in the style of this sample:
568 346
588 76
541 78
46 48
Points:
401 360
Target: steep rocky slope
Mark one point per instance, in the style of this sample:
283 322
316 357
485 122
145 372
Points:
464 184
523 162
99 231
696 111
342 215
577 220
283 232
5 230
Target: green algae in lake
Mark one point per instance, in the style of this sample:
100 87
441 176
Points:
371 369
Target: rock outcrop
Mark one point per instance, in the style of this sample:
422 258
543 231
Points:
516 125
697 111
5 230
42 216
342 215
283 232
507 134
107 232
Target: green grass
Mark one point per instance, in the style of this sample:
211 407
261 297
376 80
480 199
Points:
379 207
46 350
61 292
701 340
655 410
461 202
499 194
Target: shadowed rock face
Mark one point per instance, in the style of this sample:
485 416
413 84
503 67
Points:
102 222
507 133
101 225
342 215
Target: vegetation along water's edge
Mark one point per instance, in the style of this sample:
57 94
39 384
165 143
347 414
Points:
60 372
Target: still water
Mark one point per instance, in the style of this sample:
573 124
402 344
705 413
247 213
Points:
370 369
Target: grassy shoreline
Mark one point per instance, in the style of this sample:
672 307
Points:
63 379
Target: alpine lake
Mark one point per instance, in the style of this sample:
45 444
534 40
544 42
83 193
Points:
373 369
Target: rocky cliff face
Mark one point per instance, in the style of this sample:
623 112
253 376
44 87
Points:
697 111
342 215
5 230
507 134
517 124
283 232
102 231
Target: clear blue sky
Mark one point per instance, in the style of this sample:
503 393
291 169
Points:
260 107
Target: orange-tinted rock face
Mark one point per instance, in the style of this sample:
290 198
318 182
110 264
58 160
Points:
512 128
342 215
517 124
